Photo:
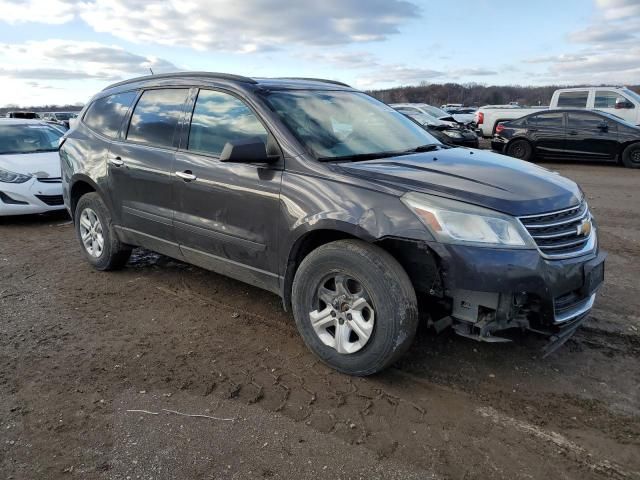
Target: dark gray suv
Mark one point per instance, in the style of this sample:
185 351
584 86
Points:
349 211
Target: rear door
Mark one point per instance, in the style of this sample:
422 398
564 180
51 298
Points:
140 168
547 133
227 214
591 136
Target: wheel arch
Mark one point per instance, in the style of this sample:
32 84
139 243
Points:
309 240
416 258
81 185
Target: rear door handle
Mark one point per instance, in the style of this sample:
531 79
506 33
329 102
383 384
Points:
572 132
116 161
187 176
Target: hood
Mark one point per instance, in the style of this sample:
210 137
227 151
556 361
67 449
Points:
474 176
41 165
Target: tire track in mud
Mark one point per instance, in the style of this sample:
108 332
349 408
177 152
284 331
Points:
396 414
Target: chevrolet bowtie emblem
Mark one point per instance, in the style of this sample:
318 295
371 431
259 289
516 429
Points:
584 228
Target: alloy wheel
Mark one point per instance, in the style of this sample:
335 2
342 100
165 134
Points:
344 317
91 232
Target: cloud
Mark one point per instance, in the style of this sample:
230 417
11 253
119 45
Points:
608 50
45 11
244 26
75 60
472 72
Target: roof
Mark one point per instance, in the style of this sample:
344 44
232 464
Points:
293 82
21 121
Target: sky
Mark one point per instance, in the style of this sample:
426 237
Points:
64 51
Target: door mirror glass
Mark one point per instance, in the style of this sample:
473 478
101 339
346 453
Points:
246 150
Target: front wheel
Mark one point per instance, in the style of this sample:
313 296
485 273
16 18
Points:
354 306
520 149
631 156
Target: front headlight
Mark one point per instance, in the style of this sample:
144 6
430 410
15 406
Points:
452 133
451 221
10 177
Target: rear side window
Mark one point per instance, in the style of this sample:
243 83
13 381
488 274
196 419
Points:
156 117
573 99
219 118
547 120
105 114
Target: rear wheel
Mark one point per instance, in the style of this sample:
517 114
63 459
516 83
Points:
631 156
520 149
100 244
354 306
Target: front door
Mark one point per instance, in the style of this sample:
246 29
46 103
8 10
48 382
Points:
615 103
591 136
140 169
227 214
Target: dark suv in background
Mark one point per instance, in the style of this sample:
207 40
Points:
345 208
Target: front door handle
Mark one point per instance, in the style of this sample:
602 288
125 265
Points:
116 161
187 176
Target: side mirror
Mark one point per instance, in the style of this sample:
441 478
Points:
604 126
623 103
249 150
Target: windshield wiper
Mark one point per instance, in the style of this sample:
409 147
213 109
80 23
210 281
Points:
361 156
430 147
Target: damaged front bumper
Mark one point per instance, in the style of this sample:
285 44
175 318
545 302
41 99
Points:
491 290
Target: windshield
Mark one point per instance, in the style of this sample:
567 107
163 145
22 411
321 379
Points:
435 111
336 124
632 94
28 138
616 118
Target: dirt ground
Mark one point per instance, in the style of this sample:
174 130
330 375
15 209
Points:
81 350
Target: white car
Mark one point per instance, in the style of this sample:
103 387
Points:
429 110
29 167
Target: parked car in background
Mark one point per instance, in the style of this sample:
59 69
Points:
570 134
463 115
29 167
436 112
59 117
619 101
443 131
24 115
344 207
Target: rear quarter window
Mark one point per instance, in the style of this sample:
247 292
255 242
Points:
573 99
105 115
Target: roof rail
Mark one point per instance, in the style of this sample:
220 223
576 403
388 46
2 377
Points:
222 76
323 80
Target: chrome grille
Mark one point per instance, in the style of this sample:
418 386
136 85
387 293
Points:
563 233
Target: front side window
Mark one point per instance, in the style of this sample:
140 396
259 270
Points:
546 120
219 118
573 99
105 114
606 99
335 124
156 116
584 121
28 138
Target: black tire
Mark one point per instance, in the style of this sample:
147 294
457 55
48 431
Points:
386 285
631 156
520 149
113 255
